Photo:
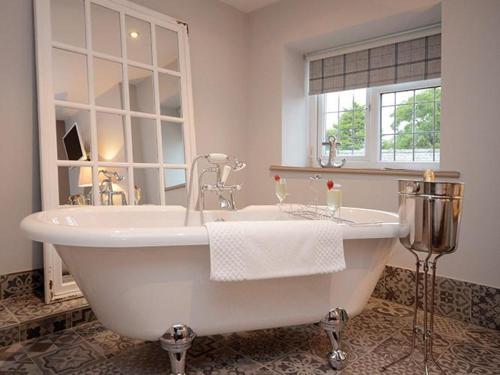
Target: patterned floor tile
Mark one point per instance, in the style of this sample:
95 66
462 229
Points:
400 285
469 358
38 346
225 361
82 316
104 340
488 338
485 309
14 360
9 336
68 359
385 307
28 308
6 317
301 363
44 326
206 344
453 299
100 368
65 338
21 283
148 359
368 329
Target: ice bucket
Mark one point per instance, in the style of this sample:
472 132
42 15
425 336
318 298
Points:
429 214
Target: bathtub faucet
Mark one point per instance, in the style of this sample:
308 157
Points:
106 189
221 165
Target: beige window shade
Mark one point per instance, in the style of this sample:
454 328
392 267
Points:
411 60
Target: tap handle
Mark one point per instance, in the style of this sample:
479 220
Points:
226 170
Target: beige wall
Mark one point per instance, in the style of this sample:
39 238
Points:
19 186
281 33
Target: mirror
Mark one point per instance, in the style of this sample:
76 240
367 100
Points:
119 126
108 83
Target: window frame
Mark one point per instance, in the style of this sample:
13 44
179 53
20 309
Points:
372 128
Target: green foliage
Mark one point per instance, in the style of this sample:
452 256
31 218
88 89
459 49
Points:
424 122
351 128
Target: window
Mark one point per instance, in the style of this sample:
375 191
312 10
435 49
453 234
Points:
393 124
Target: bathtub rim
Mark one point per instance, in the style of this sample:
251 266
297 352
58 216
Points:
37 227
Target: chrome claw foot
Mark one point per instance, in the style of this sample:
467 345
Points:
176 341
333 323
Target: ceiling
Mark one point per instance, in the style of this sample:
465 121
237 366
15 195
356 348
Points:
248 6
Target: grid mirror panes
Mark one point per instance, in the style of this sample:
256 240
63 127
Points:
119 105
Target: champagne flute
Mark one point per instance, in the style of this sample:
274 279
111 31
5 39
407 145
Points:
280 189
333 197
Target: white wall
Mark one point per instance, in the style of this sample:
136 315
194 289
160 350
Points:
19 187
281 33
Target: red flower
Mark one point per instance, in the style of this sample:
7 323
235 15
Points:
329 184
277 178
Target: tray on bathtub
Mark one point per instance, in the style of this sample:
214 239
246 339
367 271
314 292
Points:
315 212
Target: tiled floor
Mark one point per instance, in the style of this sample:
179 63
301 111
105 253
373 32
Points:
374 338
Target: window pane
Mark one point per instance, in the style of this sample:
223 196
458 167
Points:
106 30
438 116
119 186
167 49
75 185
138 40
147 186
110 137
404 97
387 120
69 147
141 90
358 146
173 142
388 99
170 95
332 102
360 98
346 99
404 118
404 147
70 76
331 125
424 95
108 78
424 117
175 186
144 140
437 150
437 93
387 148
424 144
68 22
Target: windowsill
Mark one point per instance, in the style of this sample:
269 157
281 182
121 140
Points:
364 171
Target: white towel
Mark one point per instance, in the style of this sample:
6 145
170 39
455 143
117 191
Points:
253 250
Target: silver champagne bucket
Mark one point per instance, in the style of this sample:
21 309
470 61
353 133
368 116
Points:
429 214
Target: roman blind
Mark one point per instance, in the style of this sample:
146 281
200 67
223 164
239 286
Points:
411 60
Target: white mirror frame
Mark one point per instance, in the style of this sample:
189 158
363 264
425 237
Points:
55 288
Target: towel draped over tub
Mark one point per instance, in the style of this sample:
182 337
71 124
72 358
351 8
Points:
254 250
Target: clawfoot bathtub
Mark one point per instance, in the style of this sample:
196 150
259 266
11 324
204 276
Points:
143 272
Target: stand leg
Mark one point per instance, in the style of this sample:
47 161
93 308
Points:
332 324
415 329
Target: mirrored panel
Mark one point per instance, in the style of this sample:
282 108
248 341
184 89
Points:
69 72
147 186
141 90
144 140
111 137
108 83
172 135
170 95
113 186
167 49
68 22
73 134
75 185
138 40
175 186
106 30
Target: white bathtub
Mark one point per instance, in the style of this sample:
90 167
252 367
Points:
142 271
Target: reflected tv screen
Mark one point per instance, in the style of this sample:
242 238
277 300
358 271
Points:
73 144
